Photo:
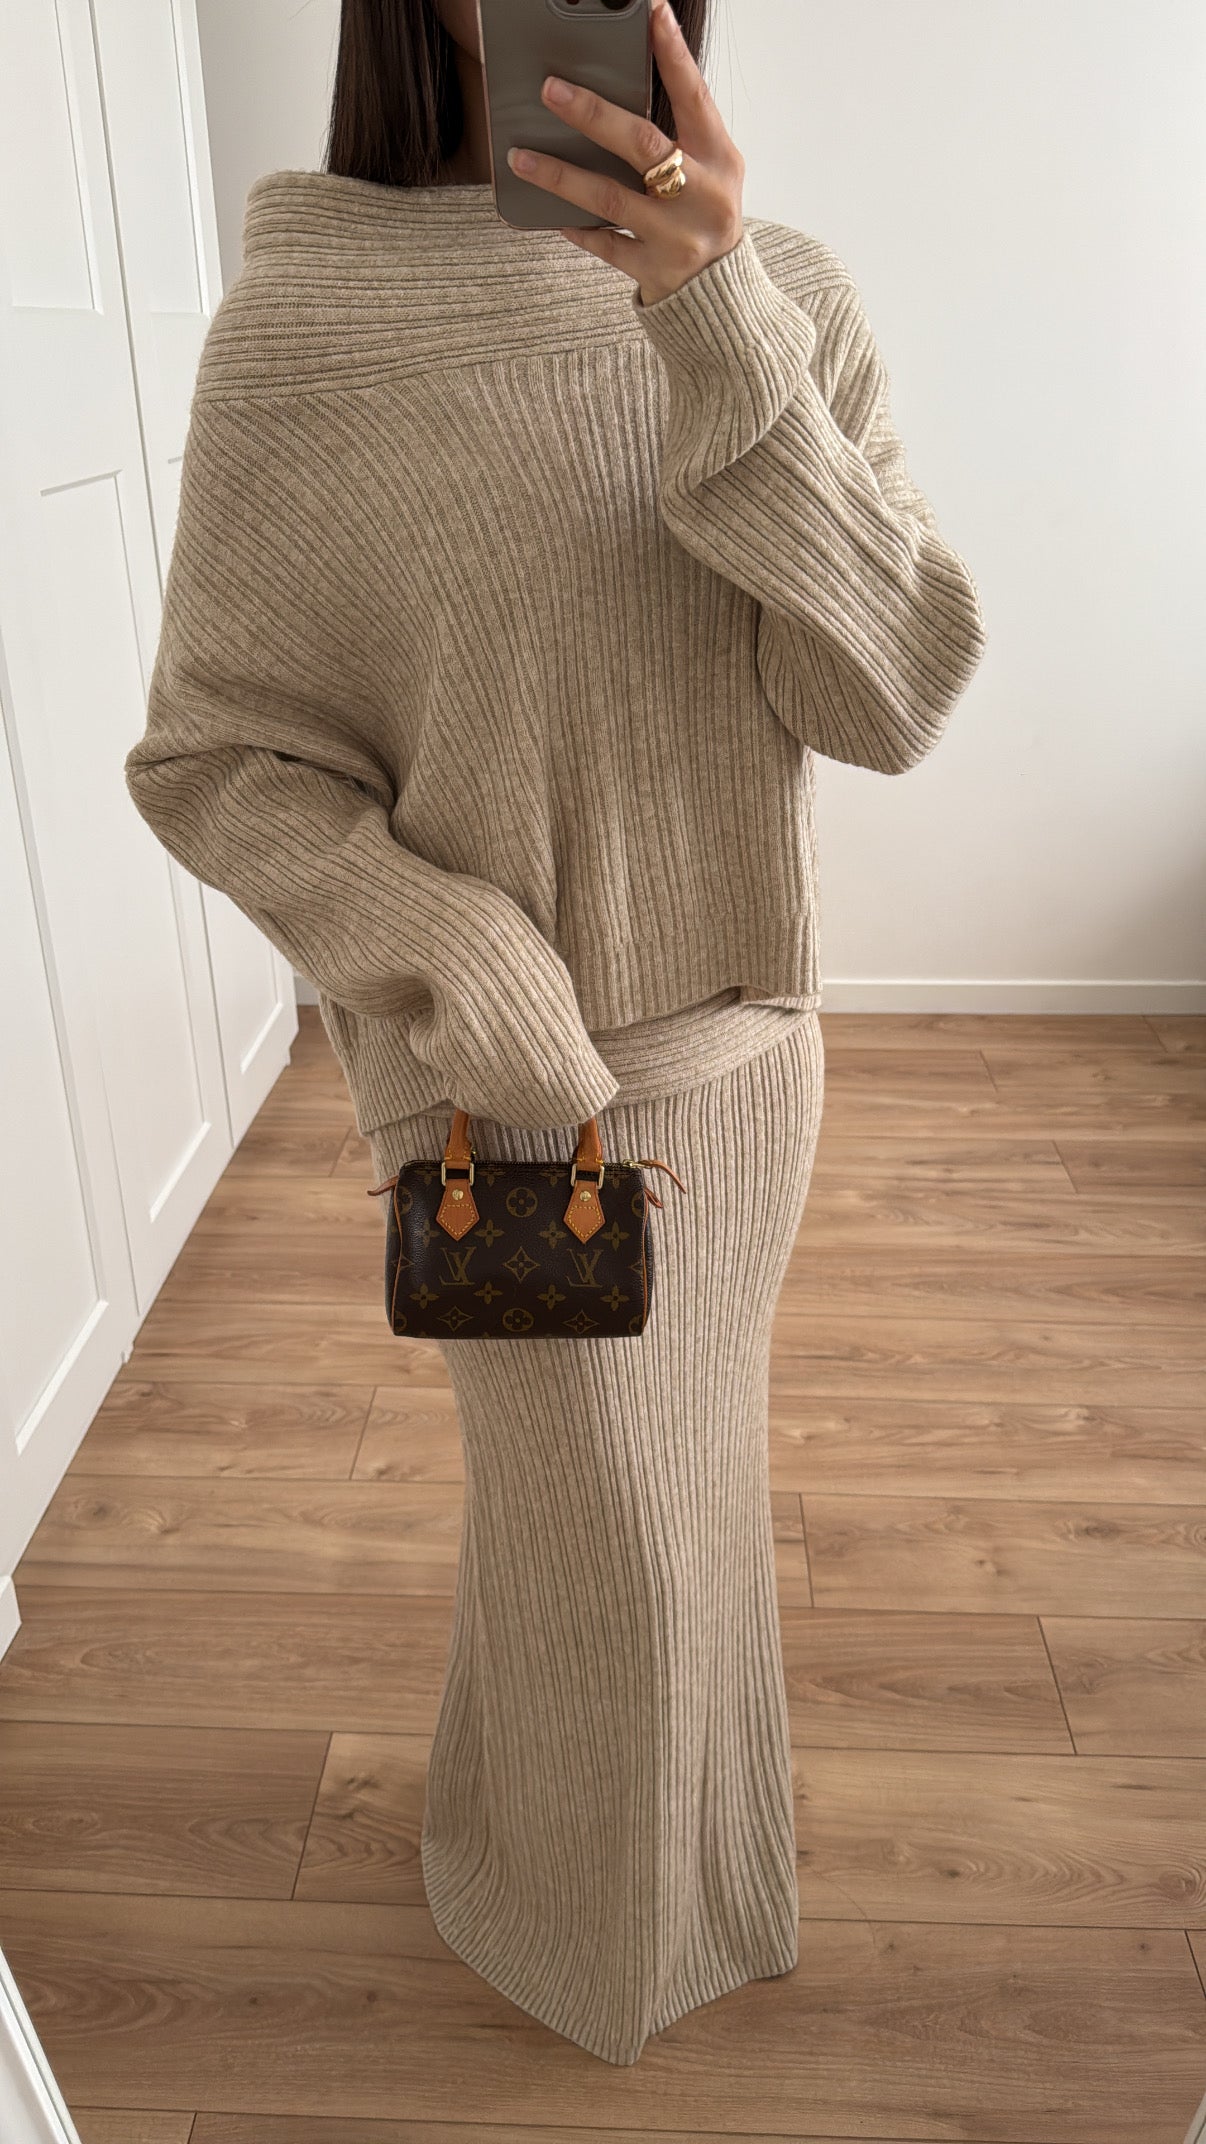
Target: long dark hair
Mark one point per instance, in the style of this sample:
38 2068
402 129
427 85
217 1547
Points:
396 111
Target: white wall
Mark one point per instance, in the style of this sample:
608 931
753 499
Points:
1020 190
268 67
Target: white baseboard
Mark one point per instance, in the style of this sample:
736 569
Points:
32 2108
1020 996
10 1615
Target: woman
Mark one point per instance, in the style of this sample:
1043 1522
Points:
518 576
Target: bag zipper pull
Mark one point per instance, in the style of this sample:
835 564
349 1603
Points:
375 1190
649 1161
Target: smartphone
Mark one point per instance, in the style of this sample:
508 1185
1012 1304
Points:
604 45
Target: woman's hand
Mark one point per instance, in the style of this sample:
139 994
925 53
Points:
672 240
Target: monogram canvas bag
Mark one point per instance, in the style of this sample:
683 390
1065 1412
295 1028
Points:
519 1249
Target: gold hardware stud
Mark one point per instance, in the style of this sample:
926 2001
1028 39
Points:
457 1193
585 1195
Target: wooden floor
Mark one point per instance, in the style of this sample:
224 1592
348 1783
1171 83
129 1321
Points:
989 1475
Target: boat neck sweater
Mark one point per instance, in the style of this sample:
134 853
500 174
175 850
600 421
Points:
504 617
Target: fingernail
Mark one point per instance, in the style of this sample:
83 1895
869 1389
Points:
557 91
521 160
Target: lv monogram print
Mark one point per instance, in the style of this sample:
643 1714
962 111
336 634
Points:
519 1273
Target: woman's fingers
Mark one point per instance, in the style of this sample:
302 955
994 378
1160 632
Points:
700 128
672 239
608 198
698 125
626 134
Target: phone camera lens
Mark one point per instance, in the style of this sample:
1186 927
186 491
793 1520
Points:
615 5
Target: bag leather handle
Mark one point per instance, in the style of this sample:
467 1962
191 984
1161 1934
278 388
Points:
457 1210
458 1148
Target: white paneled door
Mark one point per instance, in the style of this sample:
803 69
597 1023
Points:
145 1018
150 62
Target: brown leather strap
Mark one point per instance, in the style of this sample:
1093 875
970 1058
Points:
584 1213
650 1161
457 1210
459 1147
590 1146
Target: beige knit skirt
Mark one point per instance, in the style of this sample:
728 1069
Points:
608 1836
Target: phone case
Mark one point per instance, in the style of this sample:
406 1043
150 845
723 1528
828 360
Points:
606 49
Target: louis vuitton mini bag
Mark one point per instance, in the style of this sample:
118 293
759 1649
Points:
519 1249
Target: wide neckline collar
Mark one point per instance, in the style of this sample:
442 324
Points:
286 209
344 279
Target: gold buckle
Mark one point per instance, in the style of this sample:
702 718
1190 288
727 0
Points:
598 1179
444 1167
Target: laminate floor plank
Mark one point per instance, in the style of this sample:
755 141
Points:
158 1809
1176 1112
1136 1169
363 1842
177 1659
296 1099
333 1211
346 1537
903 1031
1131 1686
1014 1065
958 1837
942 1448
287 1142
1057 1361
1148 1290
355 1160
285 1264
888 1164
917 1076
1144 1171
412 1434
306 1432
967 1554
916 1681
250 1342
123 2125
984 2033
1181 1034
910 1218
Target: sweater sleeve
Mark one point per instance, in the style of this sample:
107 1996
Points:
869 625
253 773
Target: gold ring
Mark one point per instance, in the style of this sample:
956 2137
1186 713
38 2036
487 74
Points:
668 178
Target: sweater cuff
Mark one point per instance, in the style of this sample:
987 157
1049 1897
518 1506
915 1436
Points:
508 1036
732 322
537 1072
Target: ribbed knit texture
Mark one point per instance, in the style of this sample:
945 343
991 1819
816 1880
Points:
504 617
608 1835
673 1050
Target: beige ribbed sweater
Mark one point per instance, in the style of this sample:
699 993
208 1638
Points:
504 616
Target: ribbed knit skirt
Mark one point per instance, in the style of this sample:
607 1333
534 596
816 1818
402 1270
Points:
608 1837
